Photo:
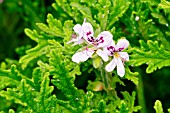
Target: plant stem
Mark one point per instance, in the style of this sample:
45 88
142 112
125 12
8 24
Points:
106 79
140 94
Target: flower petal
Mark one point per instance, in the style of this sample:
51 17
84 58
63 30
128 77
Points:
82 56
124 55
87 29
110 67
104 39
77 28
110 49
120 68
123 44
80 41
103 55
76 41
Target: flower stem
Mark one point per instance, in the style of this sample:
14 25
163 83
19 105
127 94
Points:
106 79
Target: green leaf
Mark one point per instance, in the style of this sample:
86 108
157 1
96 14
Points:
130 101
3 65
103 8
162 20
85 11
102 106
32 34
117 11
151 2
158 107
64 82
41 49
55 26
13 73
169 110
131 76
165 5
11 111
45 89
151 54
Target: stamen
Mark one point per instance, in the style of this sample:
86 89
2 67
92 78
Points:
116 54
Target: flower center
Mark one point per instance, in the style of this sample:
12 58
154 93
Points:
95 42
116 55
114 51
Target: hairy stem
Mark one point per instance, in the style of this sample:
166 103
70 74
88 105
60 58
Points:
106 79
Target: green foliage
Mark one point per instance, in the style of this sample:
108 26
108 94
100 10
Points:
129 101
45 80
164 5
103 13
25 92
151 54
132 76
16 16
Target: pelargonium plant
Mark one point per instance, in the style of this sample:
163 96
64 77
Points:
104 46
95 65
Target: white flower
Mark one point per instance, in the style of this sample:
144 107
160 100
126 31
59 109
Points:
103 39
79 30
118 56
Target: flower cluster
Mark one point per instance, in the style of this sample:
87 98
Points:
103 45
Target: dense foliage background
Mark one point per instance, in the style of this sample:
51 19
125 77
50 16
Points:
149 37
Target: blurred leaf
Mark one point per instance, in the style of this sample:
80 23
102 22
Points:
165 5
118 9
158 107
160 17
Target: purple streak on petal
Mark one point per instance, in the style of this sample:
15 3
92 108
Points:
120 49
88 33
91 39
100 40
111 49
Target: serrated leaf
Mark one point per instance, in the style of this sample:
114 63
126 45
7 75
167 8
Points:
117 11
152 54
137 108
162 20
132 76
41 49
54 26
32 34
165 5
130 101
